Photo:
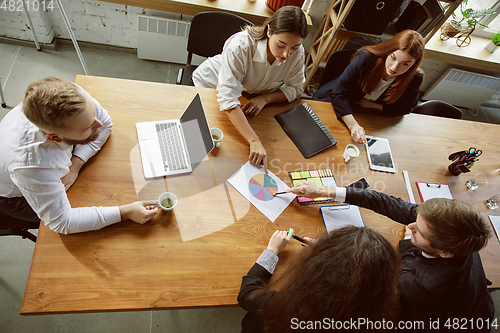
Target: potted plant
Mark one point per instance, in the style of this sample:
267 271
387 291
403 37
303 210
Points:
469 15
495 42
472 16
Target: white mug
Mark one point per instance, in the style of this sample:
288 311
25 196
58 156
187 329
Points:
167 201
217 136
350 152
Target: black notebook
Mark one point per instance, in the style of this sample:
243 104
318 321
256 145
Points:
306 130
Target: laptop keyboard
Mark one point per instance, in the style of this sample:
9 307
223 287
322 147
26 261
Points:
170 147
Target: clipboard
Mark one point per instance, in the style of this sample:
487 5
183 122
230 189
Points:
342 215
433 190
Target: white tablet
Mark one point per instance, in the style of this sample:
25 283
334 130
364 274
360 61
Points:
379 154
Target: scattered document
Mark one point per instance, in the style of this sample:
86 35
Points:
495 222
258 188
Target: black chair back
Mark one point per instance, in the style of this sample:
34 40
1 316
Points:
207 35
439 109
336 64
210 30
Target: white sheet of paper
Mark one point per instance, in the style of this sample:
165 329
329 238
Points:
258 188
495 221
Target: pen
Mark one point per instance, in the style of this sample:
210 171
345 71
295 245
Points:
278 193
300 239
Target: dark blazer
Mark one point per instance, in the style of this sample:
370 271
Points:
346 89
255 281
437 287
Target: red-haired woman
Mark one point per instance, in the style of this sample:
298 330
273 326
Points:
384 76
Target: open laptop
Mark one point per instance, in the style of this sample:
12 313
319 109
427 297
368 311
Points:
171 147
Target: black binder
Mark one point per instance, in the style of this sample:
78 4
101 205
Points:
306 130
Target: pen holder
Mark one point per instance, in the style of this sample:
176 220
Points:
462 161
456 169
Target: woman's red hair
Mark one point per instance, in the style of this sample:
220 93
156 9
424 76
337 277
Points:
409 41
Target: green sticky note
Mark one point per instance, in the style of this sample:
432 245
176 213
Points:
315 180
296 181
304 174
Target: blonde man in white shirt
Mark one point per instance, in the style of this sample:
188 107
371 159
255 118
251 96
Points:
266 60
45 142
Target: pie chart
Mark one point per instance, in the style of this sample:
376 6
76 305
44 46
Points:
262 187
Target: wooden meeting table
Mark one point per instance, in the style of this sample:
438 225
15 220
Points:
196 255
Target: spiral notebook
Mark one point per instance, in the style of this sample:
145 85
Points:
306 130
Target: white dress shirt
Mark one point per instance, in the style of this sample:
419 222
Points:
243 66
32 166
268 260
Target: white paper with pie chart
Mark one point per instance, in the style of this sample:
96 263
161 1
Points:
258 188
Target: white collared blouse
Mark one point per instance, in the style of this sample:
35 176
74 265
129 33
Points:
243 66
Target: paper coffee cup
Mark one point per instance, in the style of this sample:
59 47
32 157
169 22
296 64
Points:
167 201
350 152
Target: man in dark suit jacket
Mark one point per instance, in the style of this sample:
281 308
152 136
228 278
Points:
442 274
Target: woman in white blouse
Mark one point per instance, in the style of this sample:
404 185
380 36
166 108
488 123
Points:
266 60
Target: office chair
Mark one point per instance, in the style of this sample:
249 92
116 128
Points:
335 66
10 226
207 35
439 109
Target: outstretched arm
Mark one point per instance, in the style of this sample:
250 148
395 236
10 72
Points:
258 154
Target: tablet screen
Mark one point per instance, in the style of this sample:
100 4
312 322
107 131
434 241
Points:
379 152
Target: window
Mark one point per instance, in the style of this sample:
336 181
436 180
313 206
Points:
492 21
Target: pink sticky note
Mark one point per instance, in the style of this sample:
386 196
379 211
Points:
314 173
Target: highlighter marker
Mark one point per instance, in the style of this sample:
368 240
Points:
300 239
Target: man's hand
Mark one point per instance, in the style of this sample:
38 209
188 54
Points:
312 190
138 211
69 179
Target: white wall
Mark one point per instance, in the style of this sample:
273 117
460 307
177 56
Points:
106 23
91 21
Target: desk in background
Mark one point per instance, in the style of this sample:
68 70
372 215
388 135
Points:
256 12
473 56
196 255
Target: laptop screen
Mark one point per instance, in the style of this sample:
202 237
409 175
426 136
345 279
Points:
196 132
